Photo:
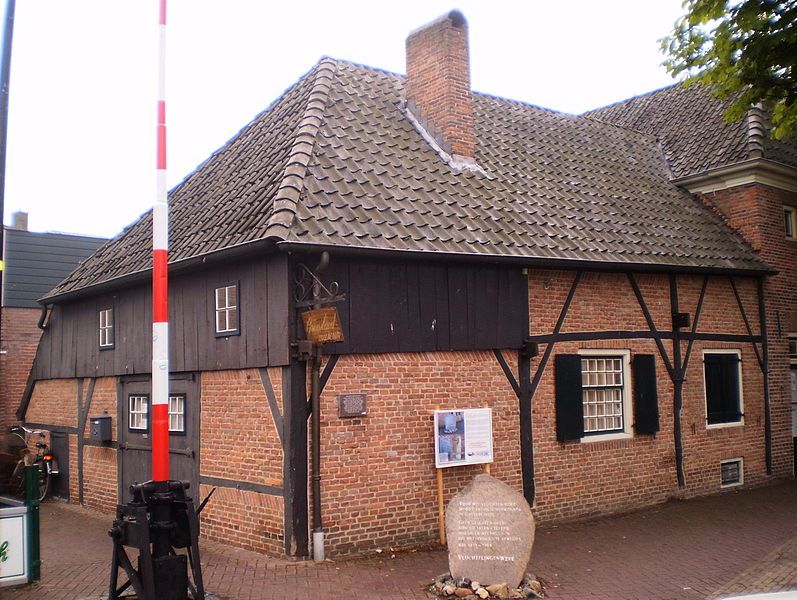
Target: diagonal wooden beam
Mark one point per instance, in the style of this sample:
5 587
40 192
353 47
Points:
535 382
698 311
645 311
746 321
272 404
507 371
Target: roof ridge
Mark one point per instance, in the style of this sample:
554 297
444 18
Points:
292 183
632 98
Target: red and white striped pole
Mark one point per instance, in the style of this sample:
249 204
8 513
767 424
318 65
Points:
160 293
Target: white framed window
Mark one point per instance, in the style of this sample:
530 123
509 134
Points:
106 328
227 315
177 413
793 348
790 222
138 412
732 472
606 394
722 377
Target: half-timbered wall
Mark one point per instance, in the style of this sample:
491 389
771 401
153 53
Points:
70 348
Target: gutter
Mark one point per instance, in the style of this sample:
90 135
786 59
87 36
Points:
755 170
524 261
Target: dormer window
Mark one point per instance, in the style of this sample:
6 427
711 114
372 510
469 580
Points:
790 222
227 315
106 328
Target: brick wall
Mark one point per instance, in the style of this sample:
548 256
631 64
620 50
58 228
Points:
240 442
378 475
756 212
100 488
378 472
54 402
20 337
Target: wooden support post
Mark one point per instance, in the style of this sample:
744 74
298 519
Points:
487 468
441 509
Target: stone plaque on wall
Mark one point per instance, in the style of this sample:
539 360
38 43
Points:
352 405
490 532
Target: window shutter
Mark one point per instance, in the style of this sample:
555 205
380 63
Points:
730 384
569 403
646 400
722 388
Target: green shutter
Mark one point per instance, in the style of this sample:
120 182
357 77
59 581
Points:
569 403
646 400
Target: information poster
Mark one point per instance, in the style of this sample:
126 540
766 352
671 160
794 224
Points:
463 437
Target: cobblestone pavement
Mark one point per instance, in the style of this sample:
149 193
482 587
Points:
736 542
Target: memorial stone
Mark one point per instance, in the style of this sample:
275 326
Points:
490 532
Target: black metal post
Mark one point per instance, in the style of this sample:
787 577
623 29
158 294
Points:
5 79
315 397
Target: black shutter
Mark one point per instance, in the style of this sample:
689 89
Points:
569 403
722 388
646 400
730 384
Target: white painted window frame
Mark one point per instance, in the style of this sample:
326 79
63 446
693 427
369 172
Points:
792 337
139 413
740 460
179 412
106 327
791 212
628 409
227 309
740 422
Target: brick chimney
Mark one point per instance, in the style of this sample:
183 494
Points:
19 220
438 83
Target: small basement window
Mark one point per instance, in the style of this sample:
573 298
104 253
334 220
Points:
106 328
731 472
227 315
177 413
790 222
138 415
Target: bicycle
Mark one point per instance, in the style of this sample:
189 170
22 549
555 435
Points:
19 436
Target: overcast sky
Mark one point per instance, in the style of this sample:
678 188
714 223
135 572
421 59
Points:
81 144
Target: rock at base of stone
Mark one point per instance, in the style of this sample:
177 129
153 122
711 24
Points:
490 532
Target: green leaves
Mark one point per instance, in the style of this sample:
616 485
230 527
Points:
745 50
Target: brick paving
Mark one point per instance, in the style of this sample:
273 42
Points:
737 542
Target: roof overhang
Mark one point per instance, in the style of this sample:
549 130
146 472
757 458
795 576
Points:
529 261
756 170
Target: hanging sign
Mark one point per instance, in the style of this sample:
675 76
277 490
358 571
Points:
463 437
322 325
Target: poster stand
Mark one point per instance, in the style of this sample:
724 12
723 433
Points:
441 508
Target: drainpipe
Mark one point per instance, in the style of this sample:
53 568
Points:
315 398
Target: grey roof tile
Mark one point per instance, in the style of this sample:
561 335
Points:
335 162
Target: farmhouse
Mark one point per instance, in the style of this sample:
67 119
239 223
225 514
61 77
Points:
619 288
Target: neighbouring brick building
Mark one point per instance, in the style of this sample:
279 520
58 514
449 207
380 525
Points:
34 263
618 287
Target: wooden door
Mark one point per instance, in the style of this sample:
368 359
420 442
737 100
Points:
59 484
135 431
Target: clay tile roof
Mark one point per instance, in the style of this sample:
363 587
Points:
688 120
335 162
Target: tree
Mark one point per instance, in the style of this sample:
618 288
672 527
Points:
745 50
